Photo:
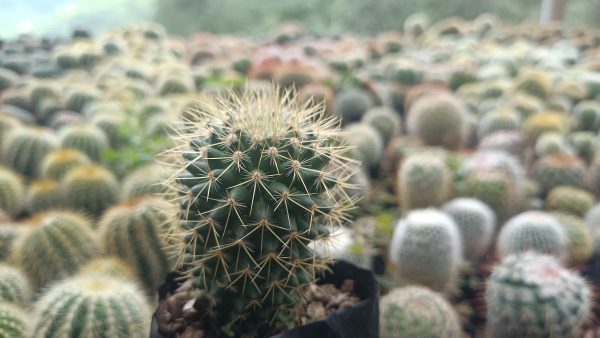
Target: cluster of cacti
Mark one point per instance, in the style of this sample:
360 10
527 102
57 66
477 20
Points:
426 249
415 311
531 295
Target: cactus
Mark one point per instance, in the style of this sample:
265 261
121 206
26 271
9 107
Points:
59 162
24 148
526 105
8 78
570 200
535 83
531 295
14 286
560 169
405 73
587 115
494 188
351 104
14 321
91 189
495 161
147 220
9 233
439 120
174 85
580 242
493 121
261 176
423 172
415 311
7 123
11 192
110 266
476 223
584 143
80 97
43 195
386 121
552 143
319 94
540 123
145 180
458 78
509 141
559 104
55 245
416 24
110 124
532 230
86 138
426 249
91 306
366 143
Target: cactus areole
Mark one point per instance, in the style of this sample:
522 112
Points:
259 177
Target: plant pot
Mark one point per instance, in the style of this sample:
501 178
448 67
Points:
361 320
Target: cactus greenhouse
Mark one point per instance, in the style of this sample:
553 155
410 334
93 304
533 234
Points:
431 176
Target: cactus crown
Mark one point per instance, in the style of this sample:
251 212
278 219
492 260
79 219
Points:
259 178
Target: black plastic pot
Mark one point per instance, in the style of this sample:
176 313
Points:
361 320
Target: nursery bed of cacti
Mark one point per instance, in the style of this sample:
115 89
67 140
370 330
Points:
459 160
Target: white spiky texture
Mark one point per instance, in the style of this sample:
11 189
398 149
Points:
426 249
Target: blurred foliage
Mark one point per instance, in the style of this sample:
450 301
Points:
336 16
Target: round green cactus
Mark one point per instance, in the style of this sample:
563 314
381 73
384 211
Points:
147 220
111 124
535 83
415 311
92 306
145 180
7 124
14 321
351 104
532 230
91 189
580 241
570 200
385 120
560 169
366 143
552 143
174 85
584 143
43 195
496 189
110 266
540 123
80 97
24 148
9 233
59 162
14 286
439 120
476 222
587 115
531 295
12 192
55 245
423 172
261 176
88 139
8 78
503 119
426 249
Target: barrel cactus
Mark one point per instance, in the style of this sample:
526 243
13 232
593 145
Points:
43 195
423 172
14 286
365 142
560 169
476 222
570 200
587 115
535 83
552 143
386 121
439 120
149 220
110 266
351 104
415 311
91 189
12 192
494 188
259 178
531 295
88 139
580 240
540 123
24 147
91 306
55 245
59 162
145 180
585 144
532 230
14 321
504 119
426 249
